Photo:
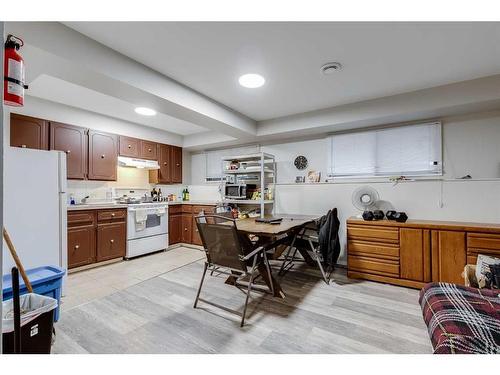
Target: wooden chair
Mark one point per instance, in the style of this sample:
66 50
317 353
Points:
225 250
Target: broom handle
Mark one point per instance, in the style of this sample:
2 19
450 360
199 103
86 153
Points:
19 265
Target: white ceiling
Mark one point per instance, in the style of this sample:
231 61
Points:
60 91
379 59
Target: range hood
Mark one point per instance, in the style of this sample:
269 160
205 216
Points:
137 163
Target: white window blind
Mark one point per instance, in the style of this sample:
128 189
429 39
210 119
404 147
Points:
412 150
214 160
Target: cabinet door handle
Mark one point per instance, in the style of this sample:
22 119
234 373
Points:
77 247
178 164
23 146
68 151
165 163
129 146
103 156
149 150
185 229
112 241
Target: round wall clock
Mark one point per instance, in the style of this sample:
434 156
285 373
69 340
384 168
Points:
300 162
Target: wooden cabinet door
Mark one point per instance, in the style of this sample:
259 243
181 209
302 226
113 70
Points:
103 152
176 164
81 246
187 228
448 256
415 254
165 172
73 141
196 239
130 147
111 241
174 229
29 132
149 150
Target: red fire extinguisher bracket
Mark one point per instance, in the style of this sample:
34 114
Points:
14 69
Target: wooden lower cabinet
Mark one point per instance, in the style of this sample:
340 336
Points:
182 223
449 256
187 228
416 252
96 236
81 246
111 241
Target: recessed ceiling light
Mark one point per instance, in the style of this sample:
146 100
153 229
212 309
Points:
145 111
330 68
251 80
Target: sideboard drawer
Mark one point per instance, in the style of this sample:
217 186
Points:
382 267
373 233
482 243
373 249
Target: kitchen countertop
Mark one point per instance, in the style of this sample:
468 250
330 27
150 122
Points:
103 206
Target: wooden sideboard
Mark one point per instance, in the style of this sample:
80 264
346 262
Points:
418 251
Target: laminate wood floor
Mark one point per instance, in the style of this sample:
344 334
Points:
156 315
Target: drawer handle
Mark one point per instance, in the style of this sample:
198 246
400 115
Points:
112 241
178 164
77 247
129 146
68 151
185 229
103 156
149 150
112 214
165 163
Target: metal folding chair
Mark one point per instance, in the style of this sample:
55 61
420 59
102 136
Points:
307 239
224 250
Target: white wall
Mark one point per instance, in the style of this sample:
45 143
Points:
470 146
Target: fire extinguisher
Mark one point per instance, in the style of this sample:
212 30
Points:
13 67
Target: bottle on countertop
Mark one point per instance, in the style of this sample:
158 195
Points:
72 200
187 194
160 195
154 194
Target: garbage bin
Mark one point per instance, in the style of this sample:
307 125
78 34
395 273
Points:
37 320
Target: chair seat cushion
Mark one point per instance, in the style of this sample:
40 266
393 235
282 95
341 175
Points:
461 319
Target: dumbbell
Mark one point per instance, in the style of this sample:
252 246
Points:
368 216
378 215
390 214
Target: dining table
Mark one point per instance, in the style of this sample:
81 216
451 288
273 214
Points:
270 236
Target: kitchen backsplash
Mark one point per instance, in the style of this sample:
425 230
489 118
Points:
127 178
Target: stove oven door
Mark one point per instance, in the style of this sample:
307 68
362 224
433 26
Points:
156 223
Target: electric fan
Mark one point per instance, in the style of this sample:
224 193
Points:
365 198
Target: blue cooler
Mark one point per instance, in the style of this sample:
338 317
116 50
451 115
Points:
46 281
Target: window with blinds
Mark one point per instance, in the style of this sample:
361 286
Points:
412 150
214 160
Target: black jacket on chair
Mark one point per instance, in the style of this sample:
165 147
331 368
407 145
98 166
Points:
329 243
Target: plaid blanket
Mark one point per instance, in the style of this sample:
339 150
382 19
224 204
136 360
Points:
461 319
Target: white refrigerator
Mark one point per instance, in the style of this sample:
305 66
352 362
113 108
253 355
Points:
35 207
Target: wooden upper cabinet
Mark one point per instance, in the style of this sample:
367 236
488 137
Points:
165 171
176 163
29 132
73 141
149 150
103 152
130 147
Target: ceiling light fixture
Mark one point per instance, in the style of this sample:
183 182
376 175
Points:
145 111
251 80
330 68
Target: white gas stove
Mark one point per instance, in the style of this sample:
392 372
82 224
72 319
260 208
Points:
147 228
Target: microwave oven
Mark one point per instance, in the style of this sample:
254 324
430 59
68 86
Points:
235 191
